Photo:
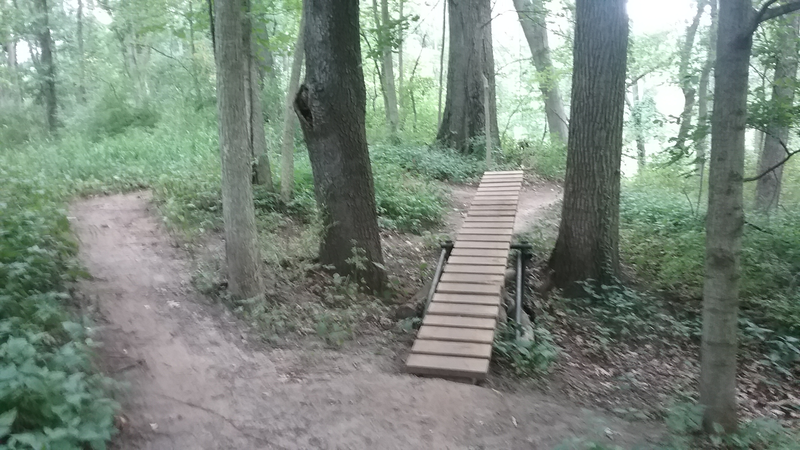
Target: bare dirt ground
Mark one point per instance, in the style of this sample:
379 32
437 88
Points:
196 381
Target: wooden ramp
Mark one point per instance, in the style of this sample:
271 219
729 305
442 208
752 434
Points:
455 339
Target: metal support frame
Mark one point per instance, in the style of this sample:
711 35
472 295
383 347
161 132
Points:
447 248
523 253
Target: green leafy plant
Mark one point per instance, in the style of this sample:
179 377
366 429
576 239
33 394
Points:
527 357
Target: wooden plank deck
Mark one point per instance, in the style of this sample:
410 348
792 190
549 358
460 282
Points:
455 340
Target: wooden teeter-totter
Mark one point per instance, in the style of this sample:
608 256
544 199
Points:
455 339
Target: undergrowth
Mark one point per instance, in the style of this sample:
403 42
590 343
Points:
50 394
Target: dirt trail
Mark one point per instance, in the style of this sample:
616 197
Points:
532 201
196 383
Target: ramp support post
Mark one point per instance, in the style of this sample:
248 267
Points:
447 247
523 253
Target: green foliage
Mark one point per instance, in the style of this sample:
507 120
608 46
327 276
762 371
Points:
684 424
625 314
434 163
49 396
113 115
527 357
546 158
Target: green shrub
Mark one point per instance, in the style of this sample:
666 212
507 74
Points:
113 115
430 162
527 357
684 425
48 392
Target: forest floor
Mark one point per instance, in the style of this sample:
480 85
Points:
199 378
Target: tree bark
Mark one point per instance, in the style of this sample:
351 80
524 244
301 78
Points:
687 80
587 246
400 74
725 217
238 211
469 61
290 120
331 108
81 62
641 153
47 67
441 62
264 58
768 187
262 174
387 65
702 95
532 17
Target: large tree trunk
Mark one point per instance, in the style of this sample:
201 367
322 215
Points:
264 57
262 174
331 107
768 188
588 236
387 64
290 120
702 95
238 211
470 60
686 79
532 16
47 67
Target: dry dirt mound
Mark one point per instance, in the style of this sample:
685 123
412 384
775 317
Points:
196 383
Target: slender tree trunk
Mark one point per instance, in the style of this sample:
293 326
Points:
400 74
387 65
47 66
331 107
702 95
588 236
470 60
641 153
81 61
262 174
441 61
532 16
768 187
265 60
241 236
725 215
193 53
290 120
686 79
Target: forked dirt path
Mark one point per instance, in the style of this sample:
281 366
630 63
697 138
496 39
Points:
196 383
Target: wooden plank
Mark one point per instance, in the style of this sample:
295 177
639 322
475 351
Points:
492 213
499 226
456 334
494 188
465 298
481 201
466 237
484 244
494 206
478 278
504 172
437 320
503 178
447 366
464 309
479 323
491 198
477 261
487 183
490 219
485 252
446 348
473 268
505 231
468 288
